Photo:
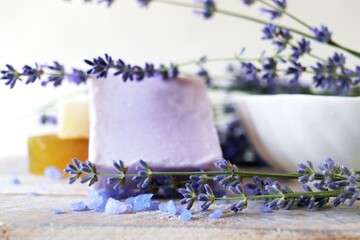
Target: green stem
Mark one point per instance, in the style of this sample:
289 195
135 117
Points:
334 193
284 11
351 51
231 14
241 174
260 21
219 59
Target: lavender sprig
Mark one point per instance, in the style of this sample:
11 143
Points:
275 197
53 74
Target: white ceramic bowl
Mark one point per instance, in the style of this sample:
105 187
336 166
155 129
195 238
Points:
288 129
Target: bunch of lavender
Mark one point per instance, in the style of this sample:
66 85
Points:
234 143
276 73
331 183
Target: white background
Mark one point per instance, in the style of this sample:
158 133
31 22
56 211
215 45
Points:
46 30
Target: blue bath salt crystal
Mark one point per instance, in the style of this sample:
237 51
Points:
32 193
185 215
130 200
78 206
58 211
265 209
142 202
154 205
216 214
114 206
53 173
163 206
171 207
97 199
14 180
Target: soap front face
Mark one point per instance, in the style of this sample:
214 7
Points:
168 124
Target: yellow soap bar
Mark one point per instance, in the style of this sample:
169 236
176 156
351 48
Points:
73 119
51 151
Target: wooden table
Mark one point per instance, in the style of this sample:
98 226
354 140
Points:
24 215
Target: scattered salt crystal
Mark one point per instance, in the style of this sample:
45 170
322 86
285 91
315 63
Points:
129 207
171 207
53 173
130 200
185 215
154 205
97 199
14 180
216 214
163 207
114 206
32 193
142 202
266 209
58 211
78 206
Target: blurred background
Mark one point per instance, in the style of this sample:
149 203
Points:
69 31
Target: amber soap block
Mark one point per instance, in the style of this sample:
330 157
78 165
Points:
50 150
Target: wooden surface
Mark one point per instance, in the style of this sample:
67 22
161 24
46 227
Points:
24 215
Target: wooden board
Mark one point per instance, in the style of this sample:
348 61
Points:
25 216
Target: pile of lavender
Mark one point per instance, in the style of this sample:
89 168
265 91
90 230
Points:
280 72
329 184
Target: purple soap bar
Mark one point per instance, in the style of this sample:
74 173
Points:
169 124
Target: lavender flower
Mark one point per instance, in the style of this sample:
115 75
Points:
189 195
320 77
337 60
277 11
32 74
209 8
322 34
272 13
58 76
77 76
205 75
248 2
269 31
357 75
100 66
11 75
149 70
199 181
227 179
74 170
208 198
89 169
108 2
280 3
119 180
249 70
242 202
144 174
258 187
307 172
144 3
48 119
295 70
302 47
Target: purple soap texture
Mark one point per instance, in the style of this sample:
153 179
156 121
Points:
167 123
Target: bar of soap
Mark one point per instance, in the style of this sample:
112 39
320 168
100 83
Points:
168 124
73 118
50 151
